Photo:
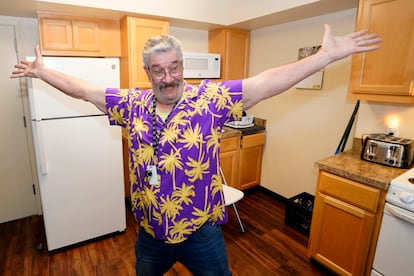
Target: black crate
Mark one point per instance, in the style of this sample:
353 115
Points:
298 212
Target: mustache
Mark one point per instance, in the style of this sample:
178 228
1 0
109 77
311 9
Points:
170 84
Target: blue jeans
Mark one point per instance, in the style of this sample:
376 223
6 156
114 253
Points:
203 253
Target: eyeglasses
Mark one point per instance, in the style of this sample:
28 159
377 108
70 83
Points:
160 73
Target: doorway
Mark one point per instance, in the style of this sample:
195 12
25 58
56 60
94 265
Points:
17 197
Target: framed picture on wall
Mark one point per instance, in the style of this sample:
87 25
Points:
314 81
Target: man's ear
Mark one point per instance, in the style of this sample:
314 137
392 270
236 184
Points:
147 71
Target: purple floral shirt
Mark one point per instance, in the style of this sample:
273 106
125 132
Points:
188 188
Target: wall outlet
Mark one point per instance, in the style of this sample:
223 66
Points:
392 131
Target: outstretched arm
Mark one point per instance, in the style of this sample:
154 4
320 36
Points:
69 85
277 80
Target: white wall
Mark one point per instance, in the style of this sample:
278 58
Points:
26 34
302 125
192 40
27 37
373 118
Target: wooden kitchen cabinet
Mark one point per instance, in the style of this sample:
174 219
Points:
250 160
385 75
229 159
241 159
345 224
62 35
134 33
234 46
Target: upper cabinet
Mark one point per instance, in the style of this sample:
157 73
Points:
385 75
62 35
134 33
233 45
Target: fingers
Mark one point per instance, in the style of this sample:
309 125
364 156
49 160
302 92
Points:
358 34
367 37
20 69
17 74
367 48
365 42
22 65
364 37
369 41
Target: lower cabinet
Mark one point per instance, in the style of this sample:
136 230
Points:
250 160
229 159
345 224
241 160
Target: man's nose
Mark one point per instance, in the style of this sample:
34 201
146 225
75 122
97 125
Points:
167 75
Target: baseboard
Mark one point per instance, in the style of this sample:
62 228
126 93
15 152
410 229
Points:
267 192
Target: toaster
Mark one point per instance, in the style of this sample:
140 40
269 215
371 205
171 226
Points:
388 150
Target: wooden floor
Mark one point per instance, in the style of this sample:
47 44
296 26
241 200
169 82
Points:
268 247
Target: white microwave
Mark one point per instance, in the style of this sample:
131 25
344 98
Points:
201 65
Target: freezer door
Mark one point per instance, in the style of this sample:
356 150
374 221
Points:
47 102
81 183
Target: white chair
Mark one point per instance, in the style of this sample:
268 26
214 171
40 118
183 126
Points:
231 196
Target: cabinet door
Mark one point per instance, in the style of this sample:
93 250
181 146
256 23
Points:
86 36
64 35
250 160
237 55
340 235
55 34
233 45
228 162
229 159
250 167
388 71
134 33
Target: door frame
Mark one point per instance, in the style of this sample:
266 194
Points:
15 24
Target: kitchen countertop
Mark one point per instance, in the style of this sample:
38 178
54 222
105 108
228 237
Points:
230 132
349 165
259 126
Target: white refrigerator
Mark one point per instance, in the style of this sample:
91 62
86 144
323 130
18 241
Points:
78 156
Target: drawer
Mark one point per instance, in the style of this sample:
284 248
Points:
350 191
253 140
230 144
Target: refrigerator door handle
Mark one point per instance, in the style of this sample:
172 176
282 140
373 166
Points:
37 131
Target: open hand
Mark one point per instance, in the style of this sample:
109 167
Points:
338 47
29 68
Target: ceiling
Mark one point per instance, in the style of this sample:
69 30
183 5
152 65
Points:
28 8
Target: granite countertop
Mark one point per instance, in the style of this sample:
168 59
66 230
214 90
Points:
349 165
230 132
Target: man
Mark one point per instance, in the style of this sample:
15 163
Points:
174 138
